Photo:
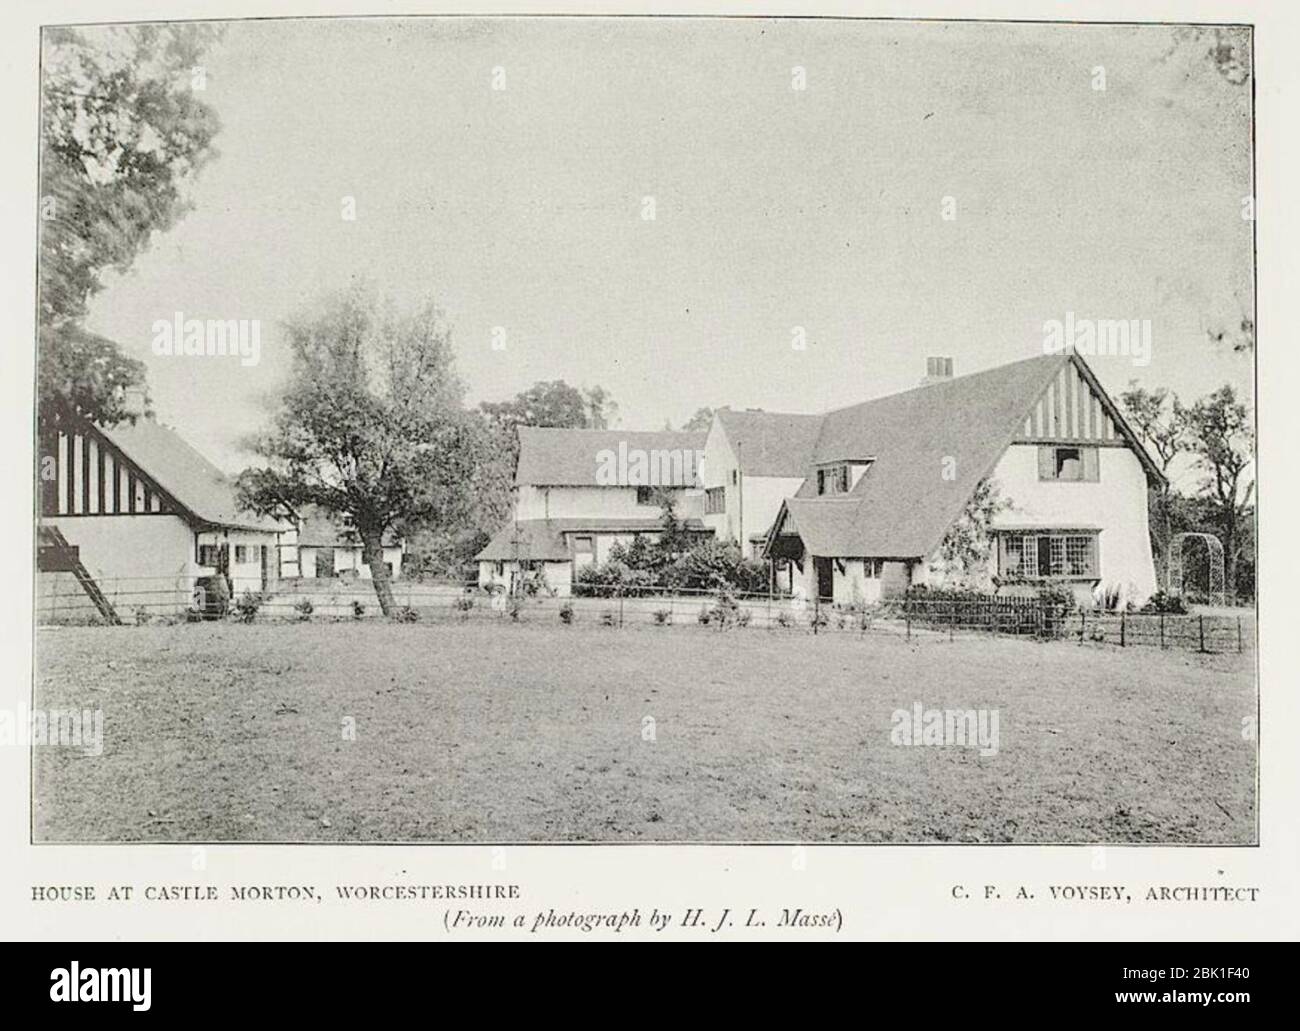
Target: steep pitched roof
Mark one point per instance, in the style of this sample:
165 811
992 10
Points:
198 485
542 540
905 502
572 458
771 443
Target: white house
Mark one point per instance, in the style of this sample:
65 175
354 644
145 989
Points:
132 516
884 481
580 492
323 546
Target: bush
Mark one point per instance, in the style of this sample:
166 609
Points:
141 615
193 614
608 618
1162 602
515 607
663 617
705 616
783 618
406 614
566 613
304 608
743 617
464 603
358 610
247 606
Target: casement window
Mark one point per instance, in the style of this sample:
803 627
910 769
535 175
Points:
241 552
871 568
645 495
834 479
208 554
1069 464
715 500
1027 556
584 545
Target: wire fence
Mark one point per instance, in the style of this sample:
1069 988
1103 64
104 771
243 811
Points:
912 616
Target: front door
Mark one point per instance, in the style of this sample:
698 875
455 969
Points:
825 578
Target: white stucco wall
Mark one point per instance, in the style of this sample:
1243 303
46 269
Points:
1117 503
854 586
558 575
139 561
581 503
761 495
244 576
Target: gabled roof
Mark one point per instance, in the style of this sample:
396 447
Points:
197 485
571 458
542 540
771 443
932 446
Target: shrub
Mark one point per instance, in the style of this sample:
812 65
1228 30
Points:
1110 596
783 618
358 610
1162 602
608 618
705 616
743 617
304 608
141 615
663 617
566 613
464 603
406 614
817 619
515 606
193 614
247 606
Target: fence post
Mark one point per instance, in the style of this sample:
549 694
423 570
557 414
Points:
1122 624
1201 620
817 612
952 616
1083 624
907 612
1239 633
620 608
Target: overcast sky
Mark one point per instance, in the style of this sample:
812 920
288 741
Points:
775 208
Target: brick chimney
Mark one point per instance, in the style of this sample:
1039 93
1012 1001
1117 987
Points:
937 370
133 401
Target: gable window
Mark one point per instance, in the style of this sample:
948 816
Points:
1068 464
834 479
1027 556
715 500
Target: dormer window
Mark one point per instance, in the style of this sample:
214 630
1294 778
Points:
833 479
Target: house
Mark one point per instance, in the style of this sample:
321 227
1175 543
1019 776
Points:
132 516
580 492
884 481
754 460
321 546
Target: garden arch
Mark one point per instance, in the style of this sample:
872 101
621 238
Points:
1214 564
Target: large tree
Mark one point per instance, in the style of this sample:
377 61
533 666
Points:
1156 417
369 427
123 132
1221 439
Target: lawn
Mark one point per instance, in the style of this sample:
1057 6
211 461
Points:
491 731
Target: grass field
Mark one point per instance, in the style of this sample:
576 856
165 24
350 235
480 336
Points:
500 732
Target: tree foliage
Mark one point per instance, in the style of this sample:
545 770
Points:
123 133
370 426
